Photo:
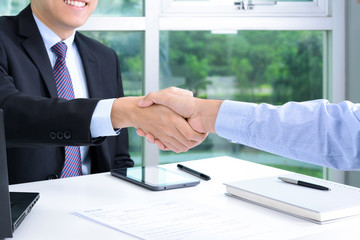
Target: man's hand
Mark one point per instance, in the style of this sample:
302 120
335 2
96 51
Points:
201 114
180 101
172 130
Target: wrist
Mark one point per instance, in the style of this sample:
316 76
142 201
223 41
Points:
123 112
208 110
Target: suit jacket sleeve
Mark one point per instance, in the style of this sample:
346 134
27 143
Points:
36 120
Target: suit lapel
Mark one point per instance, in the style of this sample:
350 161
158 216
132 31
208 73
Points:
91 68
34 46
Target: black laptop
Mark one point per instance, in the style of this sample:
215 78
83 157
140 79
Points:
14 206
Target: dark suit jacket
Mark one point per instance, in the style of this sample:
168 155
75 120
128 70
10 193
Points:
37 123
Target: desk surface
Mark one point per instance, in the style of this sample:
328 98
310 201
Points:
52 217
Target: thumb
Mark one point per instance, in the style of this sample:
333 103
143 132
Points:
148 100
145 102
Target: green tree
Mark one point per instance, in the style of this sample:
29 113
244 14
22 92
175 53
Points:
300 78
187 58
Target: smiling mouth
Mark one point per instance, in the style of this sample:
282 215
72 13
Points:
75 3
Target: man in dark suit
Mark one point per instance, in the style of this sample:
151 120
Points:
39 124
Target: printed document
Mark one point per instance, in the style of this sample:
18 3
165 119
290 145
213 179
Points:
169 219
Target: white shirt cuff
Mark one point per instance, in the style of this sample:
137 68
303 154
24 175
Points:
101 125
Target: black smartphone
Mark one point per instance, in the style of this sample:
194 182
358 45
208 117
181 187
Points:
155 178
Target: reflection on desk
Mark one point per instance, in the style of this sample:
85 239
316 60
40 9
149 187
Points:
53 218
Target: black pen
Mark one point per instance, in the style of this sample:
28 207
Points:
193 172
304 184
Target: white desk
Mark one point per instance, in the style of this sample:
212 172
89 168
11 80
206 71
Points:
52 217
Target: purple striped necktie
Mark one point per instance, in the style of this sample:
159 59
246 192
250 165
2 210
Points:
72 165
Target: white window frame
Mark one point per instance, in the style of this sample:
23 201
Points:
167 15
261 8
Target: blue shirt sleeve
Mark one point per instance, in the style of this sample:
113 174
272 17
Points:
101 125
316 132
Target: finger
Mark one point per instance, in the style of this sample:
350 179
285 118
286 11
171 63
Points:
161 97
174 141
168 143
145 102
150 138
140 132
153 98
177 143
168 127
179 91
161 145
187 136
148 100
172 146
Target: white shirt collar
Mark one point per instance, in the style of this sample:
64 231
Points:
50 38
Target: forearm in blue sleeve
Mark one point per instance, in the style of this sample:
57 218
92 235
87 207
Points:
316 131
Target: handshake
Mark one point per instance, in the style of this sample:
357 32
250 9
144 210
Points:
171 118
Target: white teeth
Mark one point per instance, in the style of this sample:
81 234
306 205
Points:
75 3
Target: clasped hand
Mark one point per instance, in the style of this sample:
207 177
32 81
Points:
171 118
189 108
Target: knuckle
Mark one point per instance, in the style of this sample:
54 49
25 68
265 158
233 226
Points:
168 132
186 146
185 149
172 88
150 95
190 135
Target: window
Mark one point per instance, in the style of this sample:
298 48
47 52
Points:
252 66
129 48
220 45
246 7
116 24
12 7
119 8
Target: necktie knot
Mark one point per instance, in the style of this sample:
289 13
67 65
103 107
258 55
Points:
59 49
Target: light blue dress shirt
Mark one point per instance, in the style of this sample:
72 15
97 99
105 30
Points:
316 132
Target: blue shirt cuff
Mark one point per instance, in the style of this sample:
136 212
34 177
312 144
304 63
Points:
101 125
232 119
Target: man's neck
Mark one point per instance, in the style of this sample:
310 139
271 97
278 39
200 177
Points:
61 32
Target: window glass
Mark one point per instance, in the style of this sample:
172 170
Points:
123 8
249 7
12 7
254 66
129 48
232 1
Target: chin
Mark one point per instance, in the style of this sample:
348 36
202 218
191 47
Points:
75 23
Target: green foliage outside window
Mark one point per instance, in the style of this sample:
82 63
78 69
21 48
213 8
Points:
252 66
267 66
12 7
